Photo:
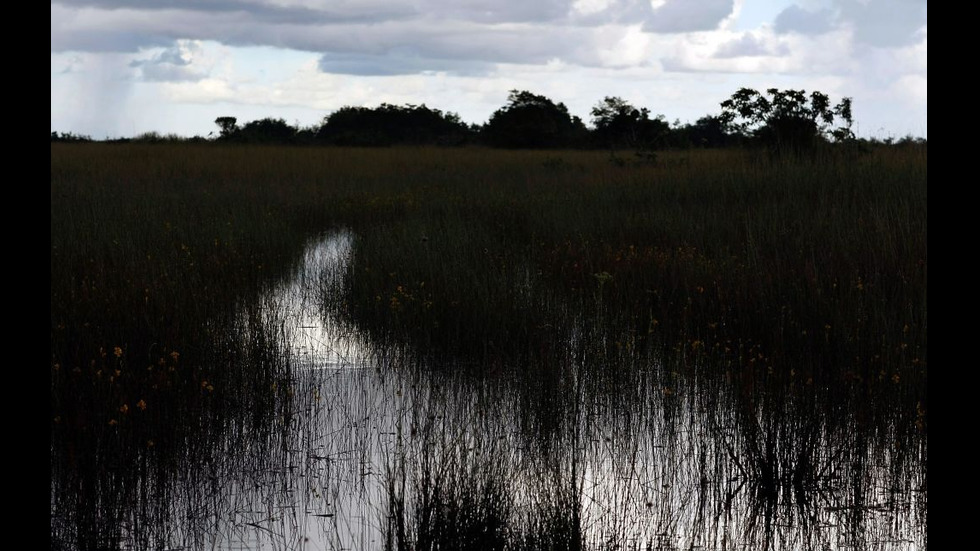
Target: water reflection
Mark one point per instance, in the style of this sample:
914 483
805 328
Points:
318 339
374 451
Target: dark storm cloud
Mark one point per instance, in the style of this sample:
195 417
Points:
109 41
259 22
261 10
482 11
388 37
795 19
127 25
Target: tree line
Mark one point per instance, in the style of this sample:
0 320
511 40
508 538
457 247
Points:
784 121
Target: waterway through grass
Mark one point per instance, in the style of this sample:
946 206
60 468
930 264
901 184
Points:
378 450
289 348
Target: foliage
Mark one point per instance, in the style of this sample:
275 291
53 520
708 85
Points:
262 131
708 131
807 277
788 121
266 130
784 121
534 122
619 124
391 125
228 126
69 137
156 137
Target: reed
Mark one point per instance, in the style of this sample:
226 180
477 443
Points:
628 292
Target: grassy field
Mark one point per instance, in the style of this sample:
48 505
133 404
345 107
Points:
801 275
807 267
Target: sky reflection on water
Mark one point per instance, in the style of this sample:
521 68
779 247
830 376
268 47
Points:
650 469
375 452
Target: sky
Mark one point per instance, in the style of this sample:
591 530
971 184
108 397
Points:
120 68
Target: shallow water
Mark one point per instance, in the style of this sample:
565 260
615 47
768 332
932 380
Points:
376 451
317 338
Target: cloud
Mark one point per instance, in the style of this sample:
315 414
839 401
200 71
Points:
129 25
173 64
92 98
884 23
270 12
496 11
456 54
458 47
422 42
749 46
397 63
678 16
108 32
795 19
732 52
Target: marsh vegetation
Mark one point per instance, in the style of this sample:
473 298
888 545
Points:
269 347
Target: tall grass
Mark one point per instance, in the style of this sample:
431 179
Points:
819 262
814 267
785 287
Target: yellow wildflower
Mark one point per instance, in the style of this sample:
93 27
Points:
117 351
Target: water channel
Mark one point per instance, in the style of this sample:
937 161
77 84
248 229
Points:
376 453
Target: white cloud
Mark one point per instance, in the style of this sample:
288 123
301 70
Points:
623 47
297 58
180 62
590 7
884 23
749 45
795 19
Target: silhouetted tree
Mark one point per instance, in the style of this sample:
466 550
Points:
390 125
532 121
266 130
306 135
155 137
619 124
788 121
708 131
228 126
69 137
